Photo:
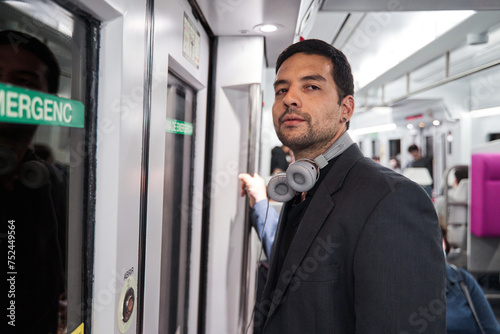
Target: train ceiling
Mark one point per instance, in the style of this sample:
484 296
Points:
241 18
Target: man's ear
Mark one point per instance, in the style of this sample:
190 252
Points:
347 107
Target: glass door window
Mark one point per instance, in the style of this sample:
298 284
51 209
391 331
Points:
43 156
177 205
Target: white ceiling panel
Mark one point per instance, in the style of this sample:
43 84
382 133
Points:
326 26
239 17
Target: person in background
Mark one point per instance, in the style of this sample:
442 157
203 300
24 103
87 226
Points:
421 161
394 164
461 173
281 156
460 318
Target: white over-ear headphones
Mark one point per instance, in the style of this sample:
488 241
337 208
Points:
303 174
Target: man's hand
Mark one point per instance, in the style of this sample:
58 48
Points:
254 186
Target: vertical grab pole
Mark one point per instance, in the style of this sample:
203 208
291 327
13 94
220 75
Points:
255 124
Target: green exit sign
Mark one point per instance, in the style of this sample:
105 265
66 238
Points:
179 127
19 105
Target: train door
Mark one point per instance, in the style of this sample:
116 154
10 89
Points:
177 223
47 159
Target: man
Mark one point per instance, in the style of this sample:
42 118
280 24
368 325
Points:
421 161
361 251
35 206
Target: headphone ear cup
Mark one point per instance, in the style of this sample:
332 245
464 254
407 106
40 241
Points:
278 188
301 175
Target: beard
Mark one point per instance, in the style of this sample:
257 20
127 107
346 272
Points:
296 142
296 139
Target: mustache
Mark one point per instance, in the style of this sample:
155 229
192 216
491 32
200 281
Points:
294 111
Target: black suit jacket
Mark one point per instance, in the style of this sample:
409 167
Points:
366 258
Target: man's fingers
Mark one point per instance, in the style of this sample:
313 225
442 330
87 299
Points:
243 182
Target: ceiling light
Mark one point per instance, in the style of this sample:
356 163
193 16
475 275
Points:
485 112
373 129
436 122
410 126
266 28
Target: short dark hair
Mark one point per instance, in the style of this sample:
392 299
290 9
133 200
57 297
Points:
461 172
341 73
39 49
413 148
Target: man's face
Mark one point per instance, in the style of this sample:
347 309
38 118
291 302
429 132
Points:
416 155
22 68
306 111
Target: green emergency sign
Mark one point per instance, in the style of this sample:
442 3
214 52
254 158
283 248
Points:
19 105
179 127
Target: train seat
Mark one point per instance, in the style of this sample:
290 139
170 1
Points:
458 214
485 194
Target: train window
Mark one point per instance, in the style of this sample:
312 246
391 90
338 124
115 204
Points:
394 147
177 206
44 144
429 146
375 148
493 136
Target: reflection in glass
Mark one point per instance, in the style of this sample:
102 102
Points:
38 173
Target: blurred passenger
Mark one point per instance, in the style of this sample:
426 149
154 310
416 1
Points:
281 156
461 173
394 164
376 159
467 309
336 261
29 192
420 161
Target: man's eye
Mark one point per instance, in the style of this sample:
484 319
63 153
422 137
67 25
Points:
280 91
25 82
312 87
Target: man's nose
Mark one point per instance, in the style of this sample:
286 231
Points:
292 98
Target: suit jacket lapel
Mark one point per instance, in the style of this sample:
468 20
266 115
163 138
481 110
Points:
319 208
315 216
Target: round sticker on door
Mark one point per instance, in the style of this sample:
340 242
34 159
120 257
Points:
126 305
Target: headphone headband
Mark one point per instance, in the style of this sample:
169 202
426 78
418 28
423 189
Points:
302 174
339 146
